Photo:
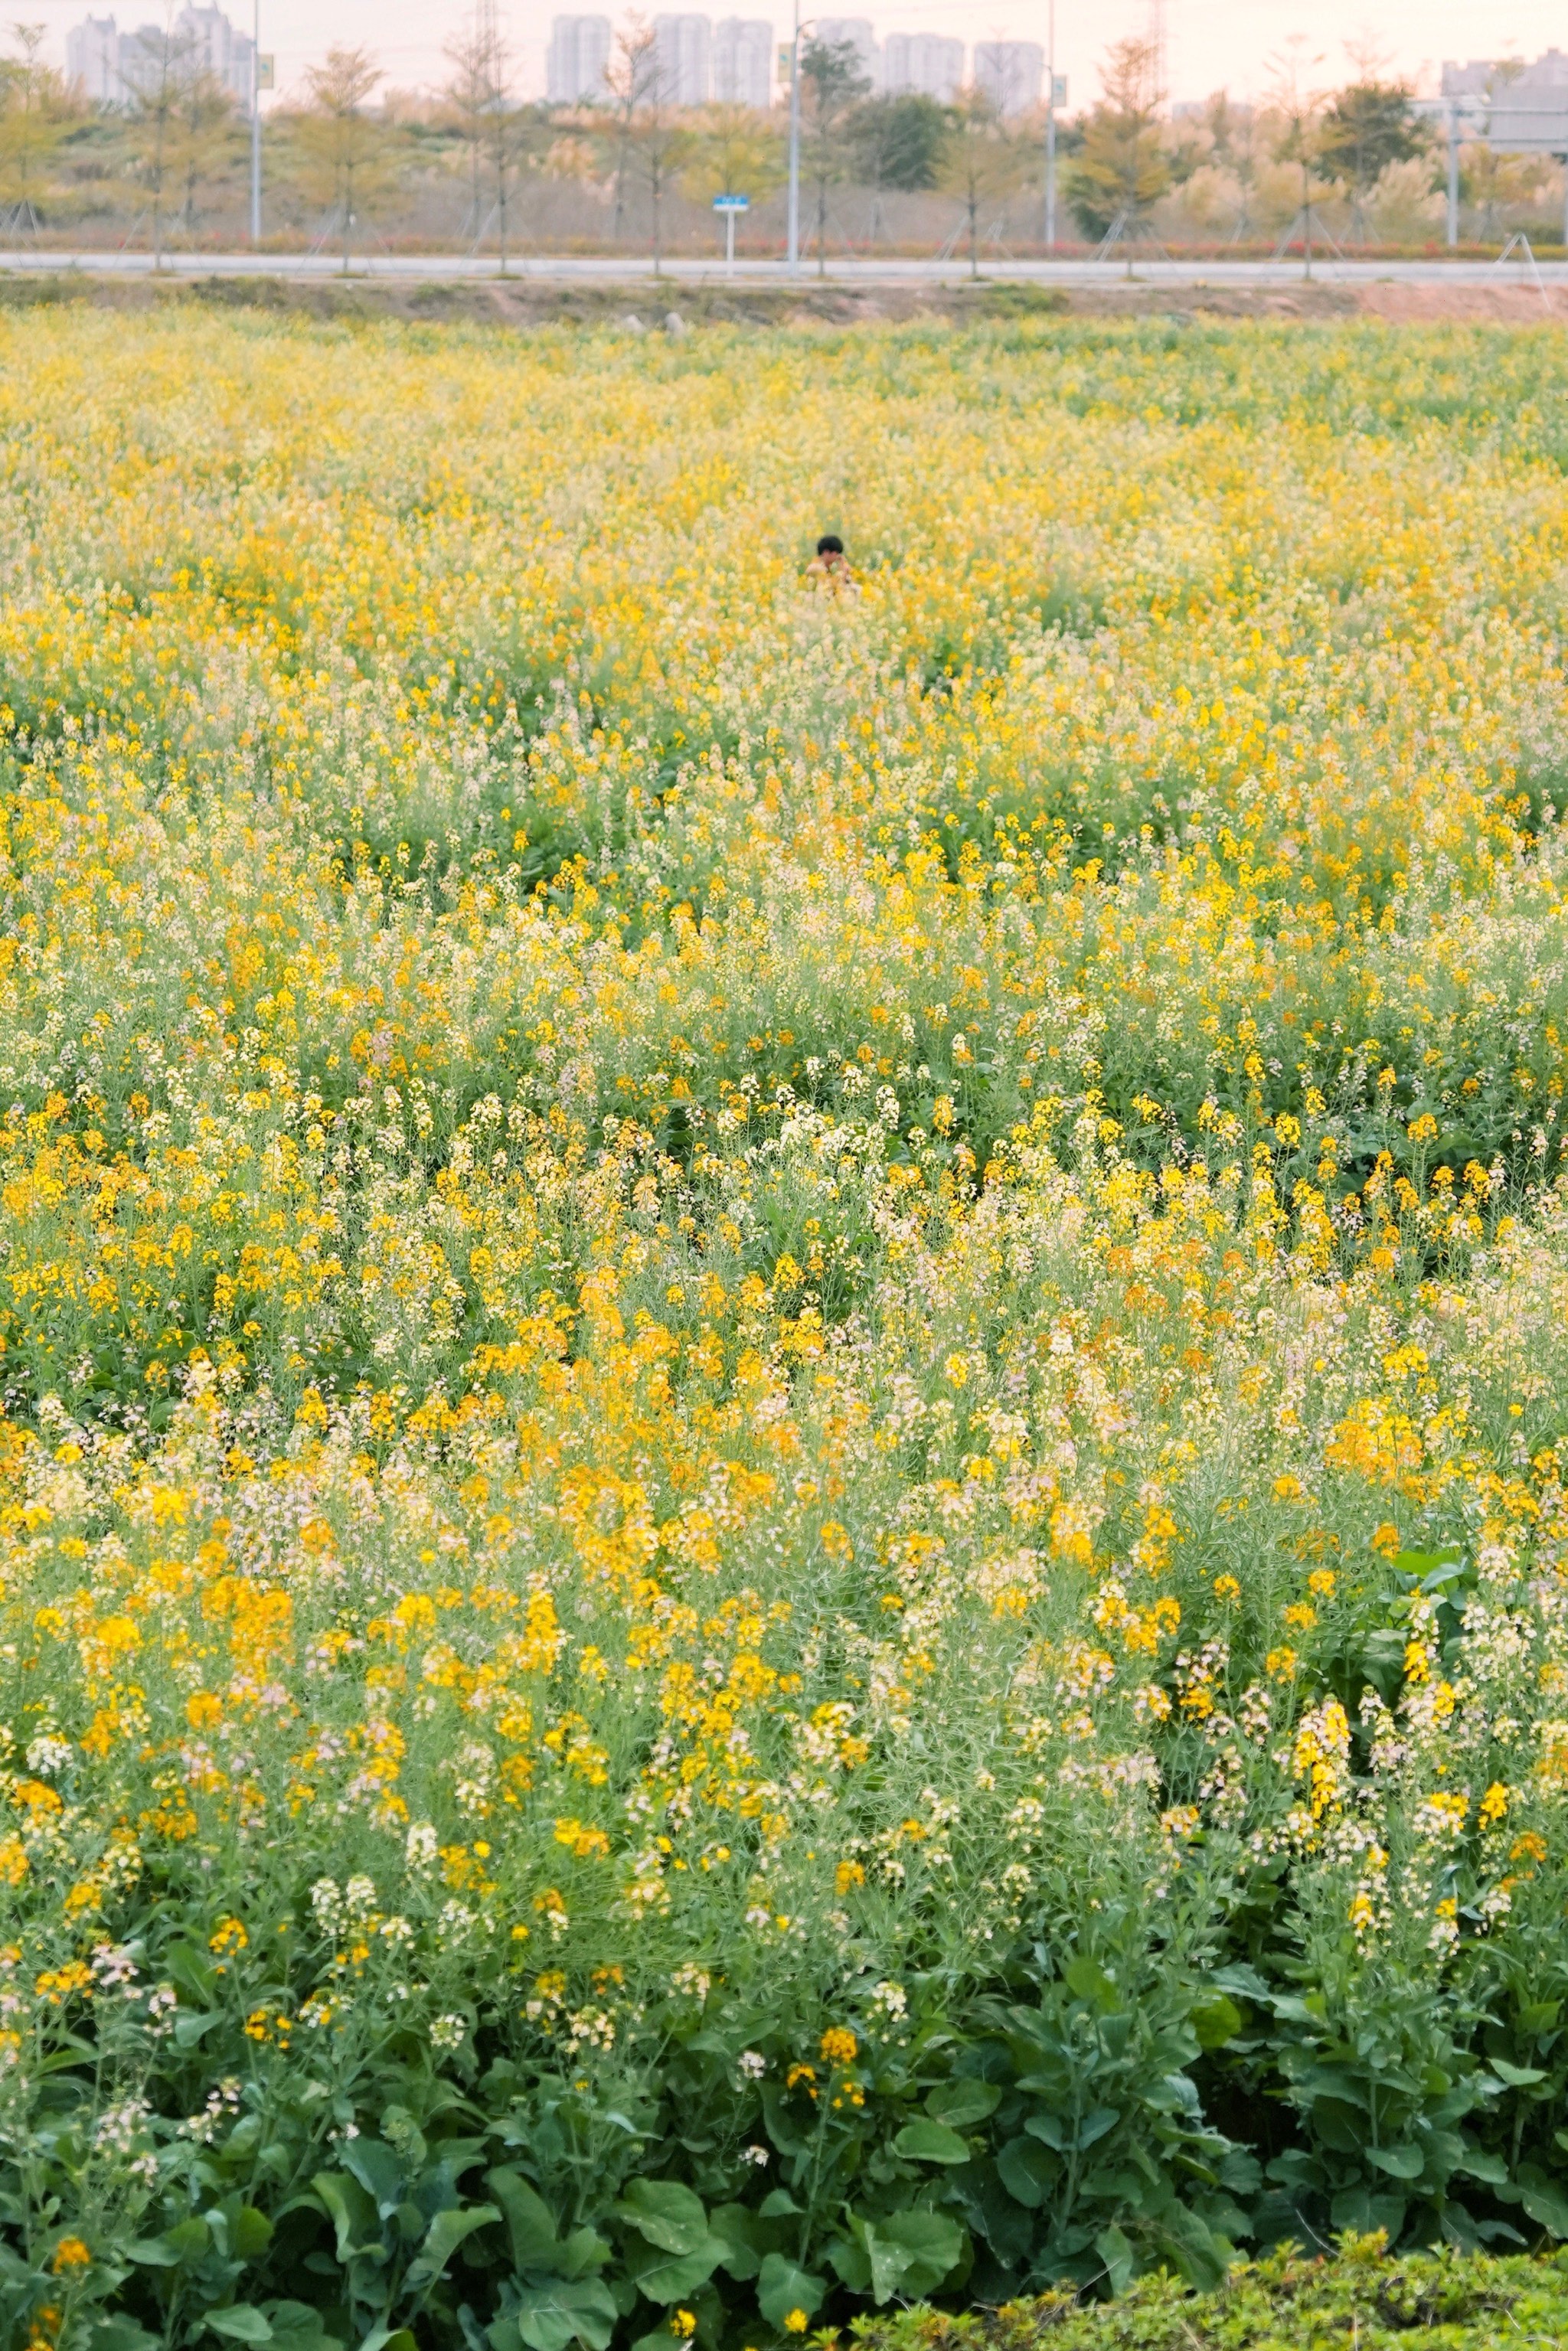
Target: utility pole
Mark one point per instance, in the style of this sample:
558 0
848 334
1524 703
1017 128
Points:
795 147
256 130
1050 128
1453 171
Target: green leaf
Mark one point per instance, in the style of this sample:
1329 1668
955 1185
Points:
745 2237
1086 1980
671 2277
240 2323
912 2252
584 2252
1518 2078
189 2029
930 2142
783 2287
1546 2206
191 2239
446 2233
1117 2255
296 2326
1216 2020
1028 2170
377 2168
666 2214
351 2212
530 2225
1400 2162
191 1970
958 2103
547 2317
250 2233
1058 2131
1201 2256
1476 2163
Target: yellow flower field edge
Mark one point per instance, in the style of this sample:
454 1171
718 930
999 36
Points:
783 1489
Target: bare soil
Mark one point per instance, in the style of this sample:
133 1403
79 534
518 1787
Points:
540 301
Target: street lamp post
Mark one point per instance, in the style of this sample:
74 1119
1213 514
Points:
1050 129
256 130
795 147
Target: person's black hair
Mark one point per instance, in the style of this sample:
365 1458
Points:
830 543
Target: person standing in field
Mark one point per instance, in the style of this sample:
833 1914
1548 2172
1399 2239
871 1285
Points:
829 567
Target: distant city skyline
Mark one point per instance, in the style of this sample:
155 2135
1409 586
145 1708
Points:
113 61
1209 44
697 61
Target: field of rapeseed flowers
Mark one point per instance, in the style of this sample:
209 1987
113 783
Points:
785 1471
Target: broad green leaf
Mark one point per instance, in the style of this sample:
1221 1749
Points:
1117 2255
1518 2078
296 2326
250 2232
377 2168
1086 1980
745 2237
1216 2020
530 2225
1202 2257
1399 2162
1548 2206
912 2252
958 2103
584 2252
548 2316
351 2212
1028 2170
783 2287
671 2277
190 2028
447 2231
240 2323
666 2214
930 2142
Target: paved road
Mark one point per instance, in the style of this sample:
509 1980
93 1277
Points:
557 268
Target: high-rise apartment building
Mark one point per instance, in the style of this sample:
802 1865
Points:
92 60
113 67
830 30
683 56
209 44
927 62
1009 73
577 60
743 61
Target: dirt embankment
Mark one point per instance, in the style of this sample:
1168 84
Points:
538 300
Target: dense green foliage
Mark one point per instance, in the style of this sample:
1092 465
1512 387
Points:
1363 2296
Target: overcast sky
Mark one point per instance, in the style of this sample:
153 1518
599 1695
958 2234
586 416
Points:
1208 42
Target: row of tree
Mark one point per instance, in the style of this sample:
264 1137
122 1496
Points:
341 160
